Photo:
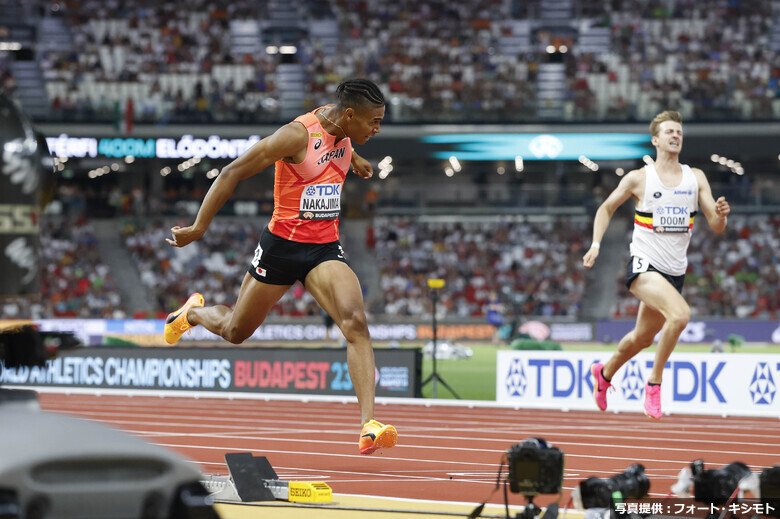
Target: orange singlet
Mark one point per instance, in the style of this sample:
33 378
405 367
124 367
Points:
307 196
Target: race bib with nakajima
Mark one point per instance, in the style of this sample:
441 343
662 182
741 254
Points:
320 202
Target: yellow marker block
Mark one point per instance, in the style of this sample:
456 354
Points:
310 492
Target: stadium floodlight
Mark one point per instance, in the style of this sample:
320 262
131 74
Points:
455 164
519 166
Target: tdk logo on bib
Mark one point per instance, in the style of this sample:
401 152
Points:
324 190
672 211
671 219
320 202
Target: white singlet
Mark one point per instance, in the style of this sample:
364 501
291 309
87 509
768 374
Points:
664 221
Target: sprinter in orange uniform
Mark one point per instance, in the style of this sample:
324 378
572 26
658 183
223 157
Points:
312 156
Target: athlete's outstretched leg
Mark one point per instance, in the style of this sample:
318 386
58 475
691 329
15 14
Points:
657 293
255 300
648 323
336 288
662 308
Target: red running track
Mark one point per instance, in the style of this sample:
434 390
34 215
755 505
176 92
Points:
444 453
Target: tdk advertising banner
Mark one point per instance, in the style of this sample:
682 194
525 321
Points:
693 383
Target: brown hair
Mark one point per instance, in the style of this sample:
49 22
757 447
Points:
667 115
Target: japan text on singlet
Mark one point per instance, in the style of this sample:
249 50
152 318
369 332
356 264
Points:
664 221
307 196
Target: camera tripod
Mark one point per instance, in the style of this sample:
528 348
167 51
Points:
531 511
434 376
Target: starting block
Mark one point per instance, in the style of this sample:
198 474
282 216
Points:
252 478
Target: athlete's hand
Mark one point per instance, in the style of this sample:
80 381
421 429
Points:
590 257
183 236
362 167
722 208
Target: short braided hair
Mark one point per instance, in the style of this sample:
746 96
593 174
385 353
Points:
359 93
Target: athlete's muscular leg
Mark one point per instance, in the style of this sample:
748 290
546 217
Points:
337 289
657 293
648 324
255 300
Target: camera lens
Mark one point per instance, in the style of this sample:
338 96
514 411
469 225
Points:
632 483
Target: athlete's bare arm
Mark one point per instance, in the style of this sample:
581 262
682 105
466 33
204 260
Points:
716 212
361 166
288 142
630 186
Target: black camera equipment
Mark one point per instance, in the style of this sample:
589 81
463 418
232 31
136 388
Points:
769 485
534 467
604 493
23 346
716 486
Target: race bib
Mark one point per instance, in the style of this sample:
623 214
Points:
672 219
320 202
639 265
257 256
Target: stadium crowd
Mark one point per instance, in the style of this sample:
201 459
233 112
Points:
439 61
712 59
75 281
442 61
175 64
214 266
534 265
436 60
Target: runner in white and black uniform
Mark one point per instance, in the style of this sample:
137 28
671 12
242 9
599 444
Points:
663 224
667 195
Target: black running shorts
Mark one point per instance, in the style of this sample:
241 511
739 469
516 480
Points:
639 265
283 262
